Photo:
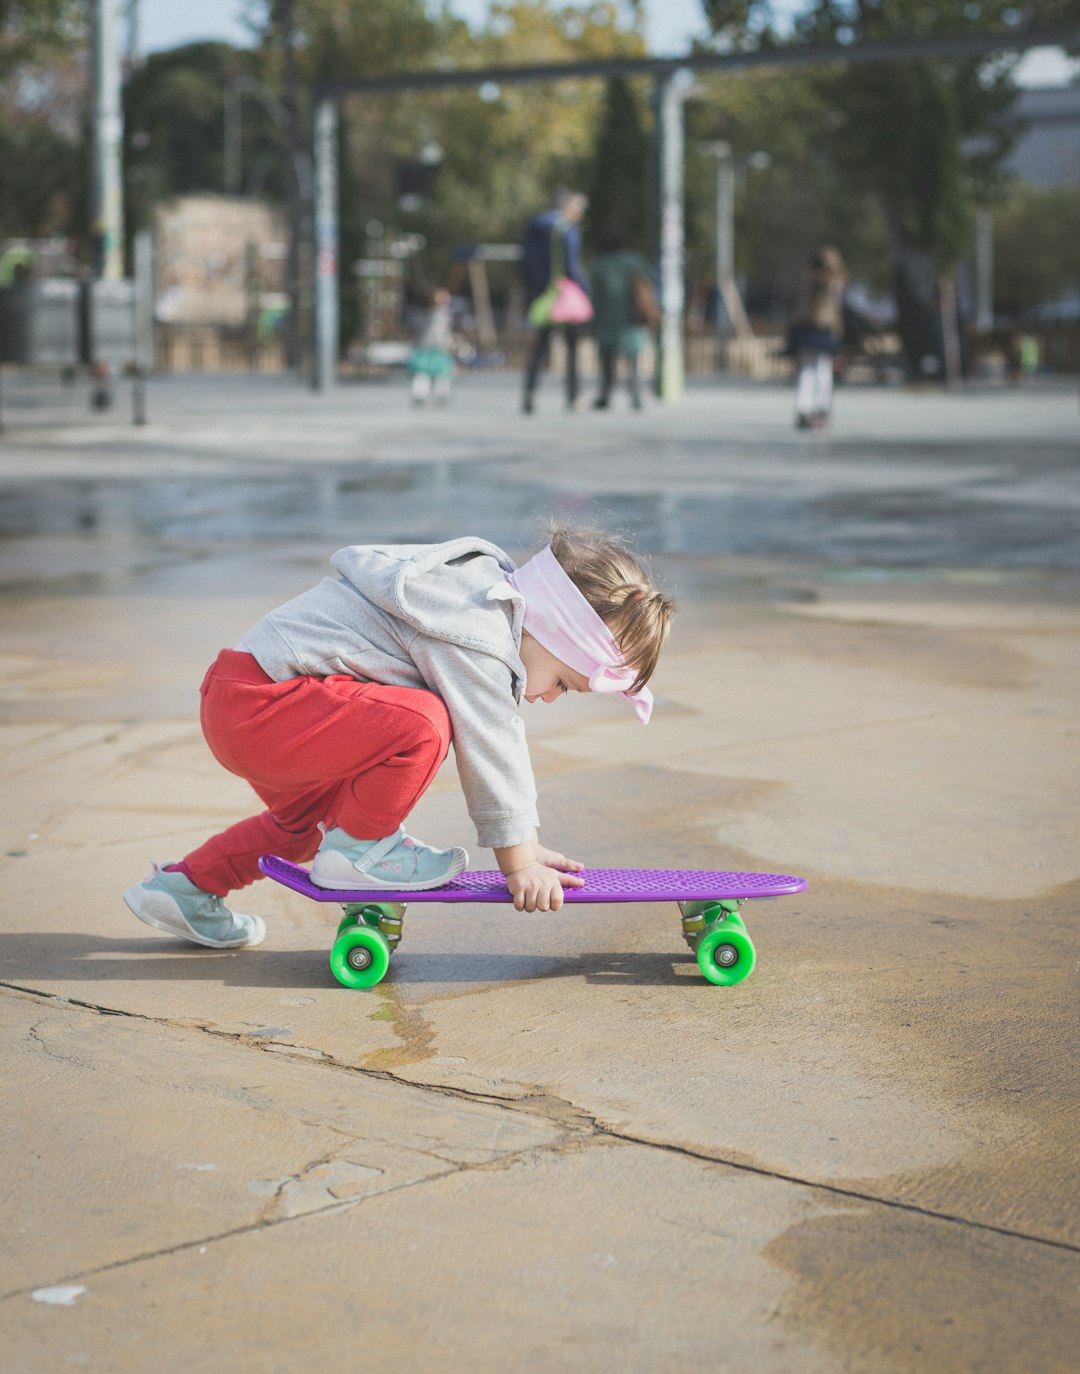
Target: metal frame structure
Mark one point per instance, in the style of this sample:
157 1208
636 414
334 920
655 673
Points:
670 75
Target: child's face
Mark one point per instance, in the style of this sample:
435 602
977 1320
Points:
547 677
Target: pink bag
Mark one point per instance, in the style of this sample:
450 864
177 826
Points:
571 305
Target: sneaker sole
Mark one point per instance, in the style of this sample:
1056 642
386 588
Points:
365 882
137 902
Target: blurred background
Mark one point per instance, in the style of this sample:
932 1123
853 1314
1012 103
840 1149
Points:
161 151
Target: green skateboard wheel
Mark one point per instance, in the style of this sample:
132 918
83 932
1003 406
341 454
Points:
726 954
360 957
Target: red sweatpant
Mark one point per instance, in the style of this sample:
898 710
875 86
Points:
331 749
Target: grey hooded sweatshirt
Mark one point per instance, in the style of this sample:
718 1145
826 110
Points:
440 616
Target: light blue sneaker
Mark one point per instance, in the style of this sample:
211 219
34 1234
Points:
172 902
397 862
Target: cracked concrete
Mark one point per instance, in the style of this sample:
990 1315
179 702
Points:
544 1143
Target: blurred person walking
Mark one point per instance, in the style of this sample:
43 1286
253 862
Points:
626 311
556 288
817 329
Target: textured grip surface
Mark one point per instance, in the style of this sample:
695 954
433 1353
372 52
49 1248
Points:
601 885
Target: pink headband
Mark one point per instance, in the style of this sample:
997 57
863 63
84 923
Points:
560 618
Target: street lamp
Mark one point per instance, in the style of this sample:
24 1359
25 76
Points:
730 312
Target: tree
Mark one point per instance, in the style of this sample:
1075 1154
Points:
925 138
32 31
42 181
619 183
174 126
303 41
339 41
42 104
507 149
1036 247
786 210
501 151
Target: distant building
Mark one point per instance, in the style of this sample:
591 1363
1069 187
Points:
1047 153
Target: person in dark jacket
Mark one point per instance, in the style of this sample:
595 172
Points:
552 246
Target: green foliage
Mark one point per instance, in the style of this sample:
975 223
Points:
924 141
33 30
897 132
339 41
503 150
42 170
784 211
42 181
619 182
1036 247
174 125
926 138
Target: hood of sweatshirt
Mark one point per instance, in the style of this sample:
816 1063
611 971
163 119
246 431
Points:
448 591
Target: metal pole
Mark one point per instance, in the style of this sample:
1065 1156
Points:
326 245
144 320
106 181
725 250
984 270
670 95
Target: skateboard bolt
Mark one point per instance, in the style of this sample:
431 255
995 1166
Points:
726 955
359 958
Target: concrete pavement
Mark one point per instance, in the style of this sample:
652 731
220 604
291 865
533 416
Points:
544 1143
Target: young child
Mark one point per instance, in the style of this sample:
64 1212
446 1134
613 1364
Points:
431 363
339 706
815 336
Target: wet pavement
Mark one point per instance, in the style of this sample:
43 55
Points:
730 477
547 1144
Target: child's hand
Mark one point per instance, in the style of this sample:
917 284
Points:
555 860
532 875
538 887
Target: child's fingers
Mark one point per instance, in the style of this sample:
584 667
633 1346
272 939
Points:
543 896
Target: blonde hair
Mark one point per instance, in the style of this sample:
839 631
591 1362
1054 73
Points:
617 585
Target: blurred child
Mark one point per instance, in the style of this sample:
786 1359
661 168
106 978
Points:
431 363
816 333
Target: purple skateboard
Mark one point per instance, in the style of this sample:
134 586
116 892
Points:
709 903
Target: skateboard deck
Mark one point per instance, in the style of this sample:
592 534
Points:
708 901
